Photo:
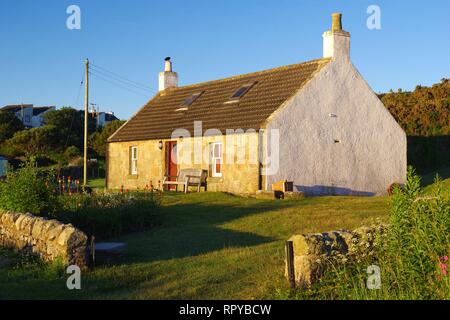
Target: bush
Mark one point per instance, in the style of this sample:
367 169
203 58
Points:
109 215
71 152
27 190
412 255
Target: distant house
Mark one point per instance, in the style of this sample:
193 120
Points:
317 124
30 115
38 112
103 118
24 112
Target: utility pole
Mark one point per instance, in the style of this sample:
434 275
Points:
86 122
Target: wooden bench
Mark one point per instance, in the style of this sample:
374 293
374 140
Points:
187 178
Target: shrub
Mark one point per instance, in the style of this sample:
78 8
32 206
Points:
27 190
109 215
412 255
71 152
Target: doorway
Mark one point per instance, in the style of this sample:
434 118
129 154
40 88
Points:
171 162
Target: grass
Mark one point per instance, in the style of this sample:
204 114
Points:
97 184
428 179
208 246
412 254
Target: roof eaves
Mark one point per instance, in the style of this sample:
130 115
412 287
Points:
132 117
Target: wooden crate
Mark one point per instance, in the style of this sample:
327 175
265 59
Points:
283 186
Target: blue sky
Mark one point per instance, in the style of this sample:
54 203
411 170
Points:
41 61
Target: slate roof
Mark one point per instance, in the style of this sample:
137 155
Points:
38 110
159 117
16 107
109 117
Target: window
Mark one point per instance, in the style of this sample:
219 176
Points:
239 93
133 160
216 159
191 99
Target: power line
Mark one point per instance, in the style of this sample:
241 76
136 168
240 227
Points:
111 81
76 106
79 89
117 84
97 72
122 78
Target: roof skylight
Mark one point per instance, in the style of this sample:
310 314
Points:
239 93
191 99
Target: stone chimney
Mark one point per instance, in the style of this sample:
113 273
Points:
336 42
167 78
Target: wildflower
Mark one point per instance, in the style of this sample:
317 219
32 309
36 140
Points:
442 265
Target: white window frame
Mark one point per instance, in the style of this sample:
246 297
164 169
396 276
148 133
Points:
215 158
134 160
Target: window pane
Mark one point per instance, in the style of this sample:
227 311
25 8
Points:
134 167
239 93
218 166
217 150
192 99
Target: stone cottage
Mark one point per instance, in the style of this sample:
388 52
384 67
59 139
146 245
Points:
317 124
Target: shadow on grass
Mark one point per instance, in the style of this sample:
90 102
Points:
428 179
190 229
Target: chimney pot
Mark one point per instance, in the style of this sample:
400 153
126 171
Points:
168 65
337 22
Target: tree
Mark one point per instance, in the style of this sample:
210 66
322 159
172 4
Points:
9 125
98 139
422 112
70 126
34 142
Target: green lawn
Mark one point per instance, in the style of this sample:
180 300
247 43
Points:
98 184
207 246
444 175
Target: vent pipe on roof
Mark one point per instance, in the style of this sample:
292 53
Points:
167 78
336 42
168 65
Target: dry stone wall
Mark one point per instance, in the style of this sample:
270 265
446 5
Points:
312 251
50 239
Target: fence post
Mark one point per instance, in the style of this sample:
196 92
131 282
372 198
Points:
92 251
290 262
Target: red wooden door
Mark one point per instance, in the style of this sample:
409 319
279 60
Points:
171 161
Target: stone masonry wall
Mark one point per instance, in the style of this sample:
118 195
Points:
50 239
311 251
240 174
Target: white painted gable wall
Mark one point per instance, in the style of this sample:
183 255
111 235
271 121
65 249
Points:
372 152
